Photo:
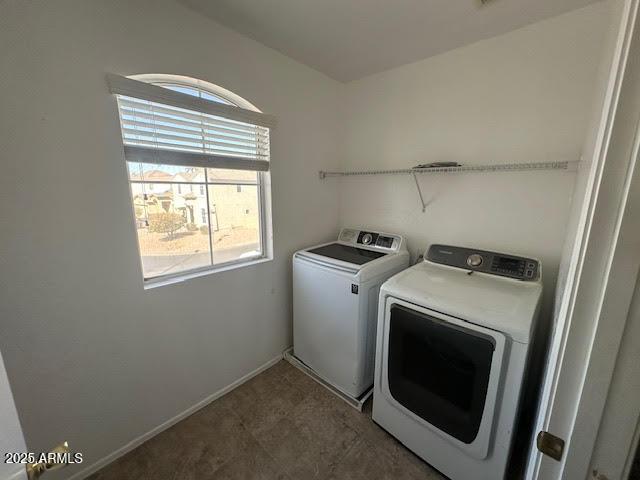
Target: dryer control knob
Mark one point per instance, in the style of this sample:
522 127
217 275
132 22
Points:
367 238
474 260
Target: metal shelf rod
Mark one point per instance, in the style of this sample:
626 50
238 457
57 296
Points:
498 167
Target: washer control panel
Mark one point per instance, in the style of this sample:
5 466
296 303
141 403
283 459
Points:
367 238
520 268
374 240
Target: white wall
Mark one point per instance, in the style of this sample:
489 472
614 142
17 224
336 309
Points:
92 357
95 359
525 96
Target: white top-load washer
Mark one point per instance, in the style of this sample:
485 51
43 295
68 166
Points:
452 348
335 298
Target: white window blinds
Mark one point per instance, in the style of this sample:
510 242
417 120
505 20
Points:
164 126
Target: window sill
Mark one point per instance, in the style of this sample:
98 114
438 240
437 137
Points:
183 277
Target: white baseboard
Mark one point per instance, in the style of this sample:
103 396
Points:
104 461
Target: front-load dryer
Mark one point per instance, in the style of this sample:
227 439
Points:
335 300
452 350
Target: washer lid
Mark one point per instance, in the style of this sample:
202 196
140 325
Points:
498 303
347 253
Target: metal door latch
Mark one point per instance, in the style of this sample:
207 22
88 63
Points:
59 456
550 445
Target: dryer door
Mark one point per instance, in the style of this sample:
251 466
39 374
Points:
444 372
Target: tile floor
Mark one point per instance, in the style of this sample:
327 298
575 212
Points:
279 425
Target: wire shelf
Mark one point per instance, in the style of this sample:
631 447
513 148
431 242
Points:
498 167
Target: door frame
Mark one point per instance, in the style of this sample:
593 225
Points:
603 268
11 436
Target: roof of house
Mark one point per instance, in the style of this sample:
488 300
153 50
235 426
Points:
153 176
194 175
189 176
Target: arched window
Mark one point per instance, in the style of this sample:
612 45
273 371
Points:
197 88
197 156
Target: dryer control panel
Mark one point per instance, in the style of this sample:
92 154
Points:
520 268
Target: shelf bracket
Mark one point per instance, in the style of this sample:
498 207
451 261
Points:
424 205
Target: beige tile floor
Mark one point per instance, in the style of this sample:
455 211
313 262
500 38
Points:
279 425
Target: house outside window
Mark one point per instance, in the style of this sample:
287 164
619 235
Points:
181 232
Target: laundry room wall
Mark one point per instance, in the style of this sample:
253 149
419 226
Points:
92 357
525 96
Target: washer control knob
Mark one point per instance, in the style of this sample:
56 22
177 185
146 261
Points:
367 238
474 260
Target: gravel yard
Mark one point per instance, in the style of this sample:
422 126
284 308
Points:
185 242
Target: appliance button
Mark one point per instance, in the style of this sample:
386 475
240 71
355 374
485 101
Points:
530 273
367 238
531 265
474 260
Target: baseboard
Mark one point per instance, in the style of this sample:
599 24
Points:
104 461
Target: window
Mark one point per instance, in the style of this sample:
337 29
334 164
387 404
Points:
183 136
